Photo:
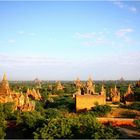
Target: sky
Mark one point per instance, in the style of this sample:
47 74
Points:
63 40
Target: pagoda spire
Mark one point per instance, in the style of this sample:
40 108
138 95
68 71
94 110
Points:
4 77
89 79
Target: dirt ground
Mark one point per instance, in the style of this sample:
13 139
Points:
124 113
128 132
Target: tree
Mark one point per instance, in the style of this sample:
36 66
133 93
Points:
101 110
30 121
2 122
82 127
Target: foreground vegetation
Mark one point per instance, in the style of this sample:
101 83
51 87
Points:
52 124
55 117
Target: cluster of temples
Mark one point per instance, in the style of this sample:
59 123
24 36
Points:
21 100
86 96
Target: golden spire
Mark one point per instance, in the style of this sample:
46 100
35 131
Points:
89 79
77 79
103 91
102 88
129 90
4 77
115 88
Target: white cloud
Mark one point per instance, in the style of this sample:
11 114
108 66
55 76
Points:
31 34
133 9
122 5
84 35
12 41
94 38
29 61
21 32
105 66
123 32
94 43
98 42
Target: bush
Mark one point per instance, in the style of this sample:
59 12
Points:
82 127
52 113
56 128
29 122
101 110
137 122
66 103
135 106
116 103
6 110
2 128
2 133
128 114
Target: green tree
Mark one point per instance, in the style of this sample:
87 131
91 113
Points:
101 110
137 122
3 122
30 121
82 127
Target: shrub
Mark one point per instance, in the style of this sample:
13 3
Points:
63 103
2 133
101 110
83 127
2 128
116 103
135 106
128 114
29 122
137 122
52 113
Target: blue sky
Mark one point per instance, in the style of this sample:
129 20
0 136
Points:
54 40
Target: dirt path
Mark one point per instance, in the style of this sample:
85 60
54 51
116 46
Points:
117 121
129 132
126 127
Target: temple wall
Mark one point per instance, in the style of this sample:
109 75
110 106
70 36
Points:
86 102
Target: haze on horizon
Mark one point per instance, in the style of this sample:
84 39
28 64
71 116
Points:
53 40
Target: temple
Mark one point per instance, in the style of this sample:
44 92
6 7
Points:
59 86
89 98
21 100
90 88
78 86
129 95
115 94
34 94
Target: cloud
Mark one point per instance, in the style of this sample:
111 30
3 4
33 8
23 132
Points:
27 33
133 9
122 33
12 41
84 35
21 32
125 6
99 42
94 43
114 66
94 38
29 61
31 34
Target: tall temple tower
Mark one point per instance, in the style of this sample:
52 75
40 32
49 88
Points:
4 86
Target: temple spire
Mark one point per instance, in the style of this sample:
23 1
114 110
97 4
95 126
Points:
89 79
4 77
